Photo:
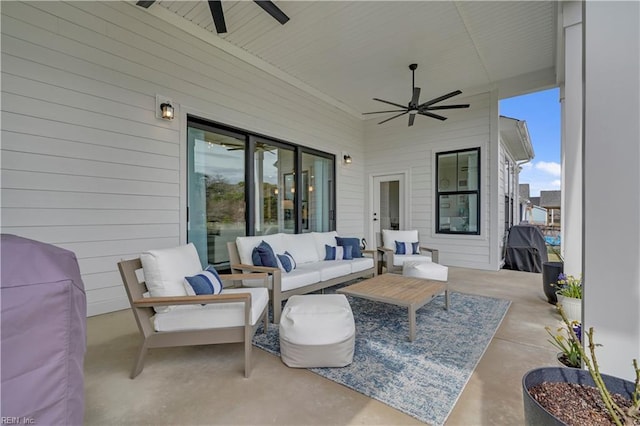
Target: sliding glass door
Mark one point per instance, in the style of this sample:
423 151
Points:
244 184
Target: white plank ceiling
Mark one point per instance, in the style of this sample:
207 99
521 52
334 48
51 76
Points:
353 51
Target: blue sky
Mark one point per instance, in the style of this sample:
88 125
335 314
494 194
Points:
541 111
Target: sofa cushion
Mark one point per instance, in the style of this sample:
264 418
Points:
328 270
300 277
246 245
360 264
214 315
165 269
324 238
353 242
302 247
205 282
389 237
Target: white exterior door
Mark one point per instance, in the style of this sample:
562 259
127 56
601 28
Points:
388 203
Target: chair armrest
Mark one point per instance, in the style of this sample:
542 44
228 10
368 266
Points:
374 256
275 272
435 253
385 250
245 267
240 277
149 302
233 277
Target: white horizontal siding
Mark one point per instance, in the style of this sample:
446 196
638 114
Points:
395 147
85 163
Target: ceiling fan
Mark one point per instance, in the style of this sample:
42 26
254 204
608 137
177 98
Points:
414 107
218 16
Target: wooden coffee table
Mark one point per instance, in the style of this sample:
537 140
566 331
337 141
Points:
412 293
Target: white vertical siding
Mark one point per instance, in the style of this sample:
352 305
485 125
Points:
85 163
395 147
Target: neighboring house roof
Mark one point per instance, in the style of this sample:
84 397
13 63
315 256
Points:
523 191
550 199
535 201
515 135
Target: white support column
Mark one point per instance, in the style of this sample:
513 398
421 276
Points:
571 208
611 260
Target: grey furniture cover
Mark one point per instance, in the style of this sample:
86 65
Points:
526 249
43 333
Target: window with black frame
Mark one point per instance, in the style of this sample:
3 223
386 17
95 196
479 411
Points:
458 192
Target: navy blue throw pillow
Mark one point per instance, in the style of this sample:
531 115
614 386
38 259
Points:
288 264
264 253
354 243
206 282
404 248
337 253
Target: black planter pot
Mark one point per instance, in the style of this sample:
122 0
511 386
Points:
536 415
550 272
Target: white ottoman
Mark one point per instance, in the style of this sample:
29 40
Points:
317 330
428 271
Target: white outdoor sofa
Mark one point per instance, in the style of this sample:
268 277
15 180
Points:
311 271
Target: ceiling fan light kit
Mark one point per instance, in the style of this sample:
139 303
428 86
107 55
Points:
414 107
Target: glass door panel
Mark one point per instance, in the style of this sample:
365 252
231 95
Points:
317 198
216 192
274 189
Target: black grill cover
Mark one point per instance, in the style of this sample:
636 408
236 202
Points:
526 249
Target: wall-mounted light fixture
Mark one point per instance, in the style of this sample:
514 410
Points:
166 111
347 159
164 108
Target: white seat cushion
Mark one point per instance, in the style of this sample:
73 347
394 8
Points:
400 259
215 315
329 269
427 270
165 269
299 277
360 264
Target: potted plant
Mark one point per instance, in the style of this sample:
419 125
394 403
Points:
559 396
569 354
569 291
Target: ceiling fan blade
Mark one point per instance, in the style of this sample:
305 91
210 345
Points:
390 103
146 3
412 118
395 116
273 10
428 114
380 112
416 96
446 107
439 99
218 16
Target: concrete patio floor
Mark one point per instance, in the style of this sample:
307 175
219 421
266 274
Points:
205 384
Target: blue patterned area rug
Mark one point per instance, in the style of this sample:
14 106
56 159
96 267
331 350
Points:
423 378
